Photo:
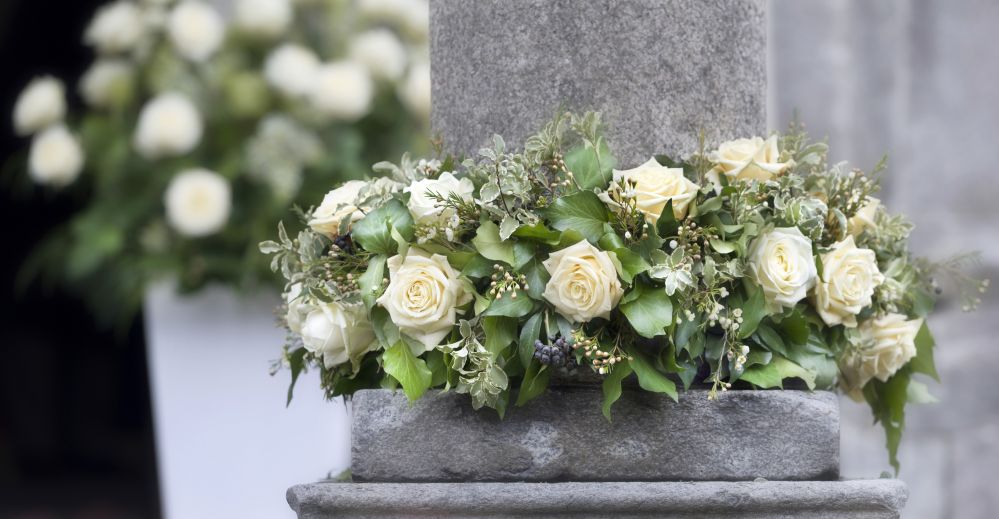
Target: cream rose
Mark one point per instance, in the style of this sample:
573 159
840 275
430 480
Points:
338 333
169 125
865 217
423 296
196 30
886 344
338 204
56 157
291 69
41 104
781 263
747 159
343 91
381 52
655 185
116 28
198 202
583 283
414 91
849 277
425 209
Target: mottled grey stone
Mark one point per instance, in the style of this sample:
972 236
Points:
659 70
562 436
745 500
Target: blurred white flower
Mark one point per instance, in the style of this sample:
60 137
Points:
411 16
279 151
265 18
381 52
56 157
343 90
198 202
41 103
291 69
169 125
416 18
196 30
116 28
107 82
415 90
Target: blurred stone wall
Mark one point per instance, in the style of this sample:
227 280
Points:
918 80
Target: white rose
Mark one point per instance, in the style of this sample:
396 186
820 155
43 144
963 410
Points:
414 91
342 90
655 185
887 343
265 18
298 309
338 204
41 104
338 333
291 69
381 52
198 202
865 217
781 263
116 28
423 296
56 157
169 125
849 277
106 83
425 209
747 159
196 30
583 283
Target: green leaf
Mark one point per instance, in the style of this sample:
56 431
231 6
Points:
296 362
753 311
667 225
612 386
794 328
923 361
535 382
648 309
537 278
500 332
371 280
438 369
918 393
631 263
507 306
648 378
487 241
773 374
538 232
722 247
767 337
374 231
589 168
528 334
582 212
411 372
887 400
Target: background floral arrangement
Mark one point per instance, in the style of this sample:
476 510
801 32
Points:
750 265
201 127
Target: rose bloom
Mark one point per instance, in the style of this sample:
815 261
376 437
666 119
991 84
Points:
865 217
423 296
781 263
291 69
414 91
343 90
196 30
337 205
846 286
338 333
425 209
381 52
198 202
116 28
169 125
583 284
108 82
747 159
298 309
888 343
41 104
264 18
56 157
655 185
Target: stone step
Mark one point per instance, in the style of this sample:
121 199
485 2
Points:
881 498
562 436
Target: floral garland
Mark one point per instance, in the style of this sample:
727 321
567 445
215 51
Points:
744 266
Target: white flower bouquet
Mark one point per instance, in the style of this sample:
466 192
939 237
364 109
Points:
199 129
752 265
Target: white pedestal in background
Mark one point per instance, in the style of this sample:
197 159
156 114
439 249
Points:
226 444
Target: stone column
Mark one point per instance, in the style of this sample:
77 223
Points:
660 71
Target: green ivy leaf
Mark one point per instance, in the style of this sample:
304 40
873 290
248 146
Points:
667 224
296 362
538 232
648 378
612 386
411 372
374 231
507 306
923 361
648 309
500 332
631 263
534 384
487 241
767 337
371 280
528 334
582 212
590 169
753 310
773 374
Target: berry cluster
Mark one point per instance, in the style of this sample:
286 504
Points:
344 244
555 354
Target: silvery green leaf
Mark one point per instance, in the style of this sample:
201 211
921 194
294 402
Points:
489 191
283 235
465 328
507 227
661 271
677 257
270 247
708 271
658 256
